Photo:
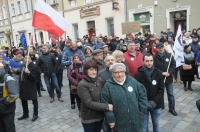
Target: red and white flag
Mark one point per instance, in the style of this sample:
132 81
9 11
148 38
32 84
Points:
47 19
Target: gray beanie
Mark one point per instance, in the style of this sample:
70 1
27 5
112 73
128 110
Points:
116 65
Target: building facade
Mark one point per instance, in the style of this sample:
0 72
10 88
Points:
158 15
5 28
88 17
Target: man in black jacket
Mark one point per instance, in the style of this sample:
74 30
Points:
47 63
152 79
161 61
28 88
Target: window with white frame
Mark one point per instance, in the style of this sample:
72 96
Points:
13 9
72 3
19 7
4 12
26 5
88 1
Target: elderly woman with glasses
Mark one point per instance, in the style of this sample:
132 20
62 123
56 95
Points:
129 100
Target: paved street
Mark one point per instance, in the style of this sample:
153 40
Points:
59 117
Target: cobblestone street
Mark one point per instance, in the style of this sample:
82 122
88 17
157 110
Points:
59 117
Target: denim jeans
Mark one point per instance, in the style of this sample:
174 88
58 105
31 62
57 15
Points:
155 117
52 78
93 127
170 96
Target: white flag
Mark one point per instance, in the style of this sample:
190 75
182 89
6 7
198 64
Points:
178 48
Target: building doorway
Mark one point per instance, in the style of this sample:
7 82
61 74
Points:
179 22
179 18
91 28
41 38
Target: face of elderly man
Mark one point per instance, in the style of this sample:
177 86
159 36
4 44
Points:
109 60
118 74
131 47
73 45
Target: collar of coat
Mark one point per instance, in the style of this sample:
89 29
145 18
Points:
114 82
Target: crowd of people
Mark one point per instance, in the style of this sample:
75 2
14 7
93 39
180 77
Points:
115 83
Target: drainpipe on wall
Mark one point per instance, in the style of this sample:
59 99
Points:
11 30
63 13
33 29
125 10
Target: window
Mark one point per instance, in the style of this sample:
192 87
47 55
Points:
88 1
19 7
4 12
26 6
76 34
13 9
110 26
72 3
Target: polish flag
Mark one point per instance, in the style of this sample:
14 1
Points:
47 19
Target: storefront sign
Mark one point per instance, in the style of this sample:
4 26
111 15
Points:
130 27
142 17
95 11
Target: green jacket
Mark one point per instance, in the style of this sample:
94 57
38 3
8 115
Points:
129 104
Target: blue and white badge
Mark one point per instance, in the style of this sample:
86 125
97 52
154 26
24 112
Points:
130 89
56 58
167 60
34 62
154 82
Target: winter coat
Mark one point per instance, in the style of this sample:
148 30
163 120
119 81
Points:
105 74
89 93
47 63
68 56
133 63
13 90
198 57
195 48
129 104
59 66
154 87
188 61
75 74
27 83
162 63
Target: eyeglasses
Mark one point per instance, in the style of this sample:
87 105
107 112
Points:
119 72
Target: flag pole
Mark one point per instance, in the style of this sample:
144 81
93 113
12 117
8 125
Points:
29 48
168 66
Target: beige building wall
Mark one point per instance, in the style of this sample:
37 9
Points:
72 14
162 10
5 31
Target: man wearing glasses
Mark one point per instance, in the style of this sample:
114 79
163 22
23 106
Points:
98 58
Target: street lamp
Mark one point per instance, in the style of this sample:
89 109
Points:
115 6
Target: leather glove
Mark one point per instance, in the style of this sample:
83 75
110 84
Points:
151 105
